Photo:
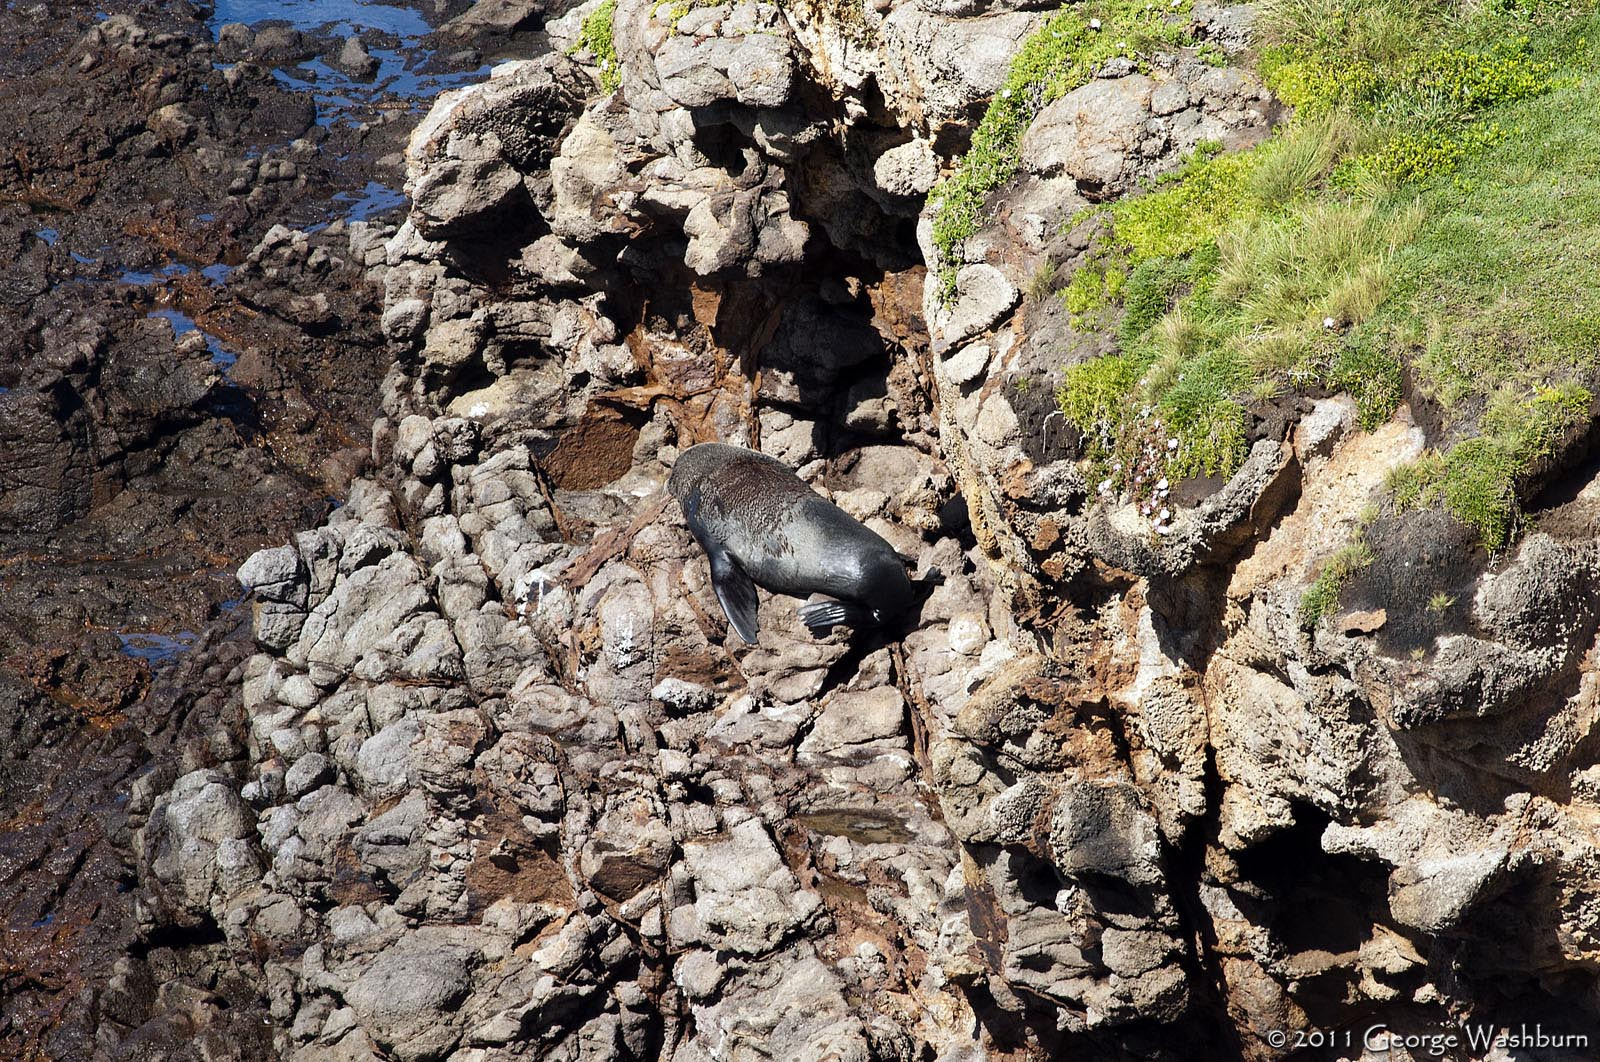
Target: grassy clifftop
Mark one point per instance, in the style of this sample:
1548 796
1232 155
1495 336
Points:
1431 212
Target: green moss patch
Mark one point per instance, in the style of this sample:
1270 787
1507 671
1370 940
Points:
595 37
1055 59
1479 478
1322 598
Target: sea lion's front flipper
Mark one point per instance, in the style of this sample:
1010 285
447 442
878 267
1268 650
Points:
737 594
823 616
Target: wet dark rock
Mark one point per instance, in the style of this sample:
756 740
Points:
354 58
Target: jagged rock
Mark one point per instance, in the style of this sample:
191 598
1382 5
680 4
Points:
629 849
364 609
1092 132
506 784
908 169
1230 25
354 58
967 364
940 65
382 766
746 900
388 843
983 296
407 1000
1105 829
190 845
850 719
308 772
477 185
497 16
467 159
796 1009
749 59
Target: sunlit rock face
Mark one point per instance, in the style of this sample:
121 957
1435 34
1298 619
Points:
505 784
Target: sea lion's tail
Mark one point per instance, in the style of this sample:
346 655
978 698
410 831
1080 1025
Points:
823 616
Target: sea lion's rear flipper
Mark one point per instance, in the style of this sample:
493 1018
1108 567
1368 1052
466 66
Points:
823 616
737 594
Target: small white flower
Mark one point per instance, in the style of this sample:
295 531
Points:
1164 515
1162 484
1172 444
1328 322
1164 529
1105 486
1094 23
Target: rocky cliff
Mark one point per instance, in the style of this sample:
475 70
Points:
496 780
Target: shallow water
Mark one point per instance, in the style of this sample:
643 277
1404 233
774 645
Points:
182 324
367 203
345 17
155 648
342 98
394 37
338 96
143 279
863 825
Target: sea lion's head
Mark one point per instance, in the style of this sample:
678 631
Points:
886 588
692 466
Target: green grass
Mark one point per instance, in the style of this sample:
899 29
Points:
1322 597
1188 209
1371 374
1501 286
1432 210
1479 478
1055 59
595 37
1092 290
1043 282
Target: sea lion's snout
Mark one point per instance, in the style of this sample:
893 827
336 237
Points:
889 588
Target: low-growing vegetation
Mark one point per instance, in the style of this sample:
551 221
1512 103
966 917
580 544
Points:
1323 595
1478 477
1061 55
1432 208
595 37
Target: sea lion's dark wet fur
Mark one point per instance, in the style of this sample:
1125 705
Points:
759 522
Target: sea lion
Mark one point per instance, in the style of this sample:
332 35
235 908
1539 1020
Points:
761 525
